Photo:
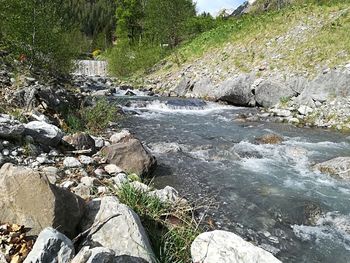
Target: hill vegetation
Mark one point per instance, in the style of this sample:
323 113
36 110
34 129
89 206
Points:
304 37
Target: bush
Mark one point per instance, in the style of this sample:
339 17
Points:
126 59
93 119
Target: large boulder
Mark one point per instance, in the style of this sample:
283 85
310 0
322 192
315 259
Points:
131 156
51 246
27 198
203 88
237 91
44 133
81 141
225 247
269 93
118 228
183 87
10 128
337 167
326 86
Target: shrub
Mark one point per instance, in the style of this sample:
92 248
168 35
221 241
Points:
126 59
93 119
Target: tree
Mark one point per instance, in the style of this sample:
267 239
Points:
35 30
166 20
130 16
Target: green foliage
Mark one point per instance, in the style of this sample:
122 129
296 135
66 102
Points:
252 37
125 59
147 30
129 15
94 18
98 117
93 119
165 21
170 228
35 31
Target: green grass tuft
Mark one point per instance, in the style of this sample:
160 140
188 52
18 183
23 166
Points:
170 227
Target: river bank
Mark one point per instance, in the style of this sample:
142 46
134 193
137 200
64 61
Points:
245 169
66 193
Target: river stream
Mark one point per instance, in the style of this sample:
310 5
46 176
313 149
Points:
268 194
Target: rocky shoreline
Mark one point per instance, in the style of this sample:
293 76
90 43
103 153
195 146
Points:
59 197
322 101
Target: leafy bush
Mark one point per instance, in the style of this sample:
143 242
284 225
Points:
126 59
94 119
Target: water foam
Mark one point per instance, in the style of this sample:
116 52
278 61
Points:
332 226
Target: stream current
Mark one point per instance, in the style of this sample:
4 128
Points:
268 194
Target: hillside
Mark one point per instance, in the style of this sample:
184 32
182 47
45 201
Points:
301 39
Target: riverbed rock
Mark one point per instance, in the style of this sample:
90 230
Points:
237 91
166 195
113 169
27 198
94 255
51 246
269 93
203 88
10 128
337 167
122 136
44 133
130 241
131 156
81 141
270 139
225 247
183 87
325 86
71 162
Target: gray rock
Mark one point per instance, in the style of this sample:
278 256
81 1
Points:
119 180
81 141
113 169
101 93
166 195
131 156
86 160
183 87
237 91
325 86
94 255
2 258
10 128
71 162
82 190
122 136
51 246
88 181
305 110
337 167
27 198
268 93
43 133
123 233
225 247
203 89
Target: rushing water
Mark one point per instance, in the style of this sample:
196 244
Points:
265 193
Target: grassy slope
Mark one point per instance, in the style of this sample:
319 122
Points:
299 39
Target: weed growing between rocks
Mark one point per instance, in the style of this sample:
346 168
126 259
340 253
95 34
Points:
93 119
170 227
